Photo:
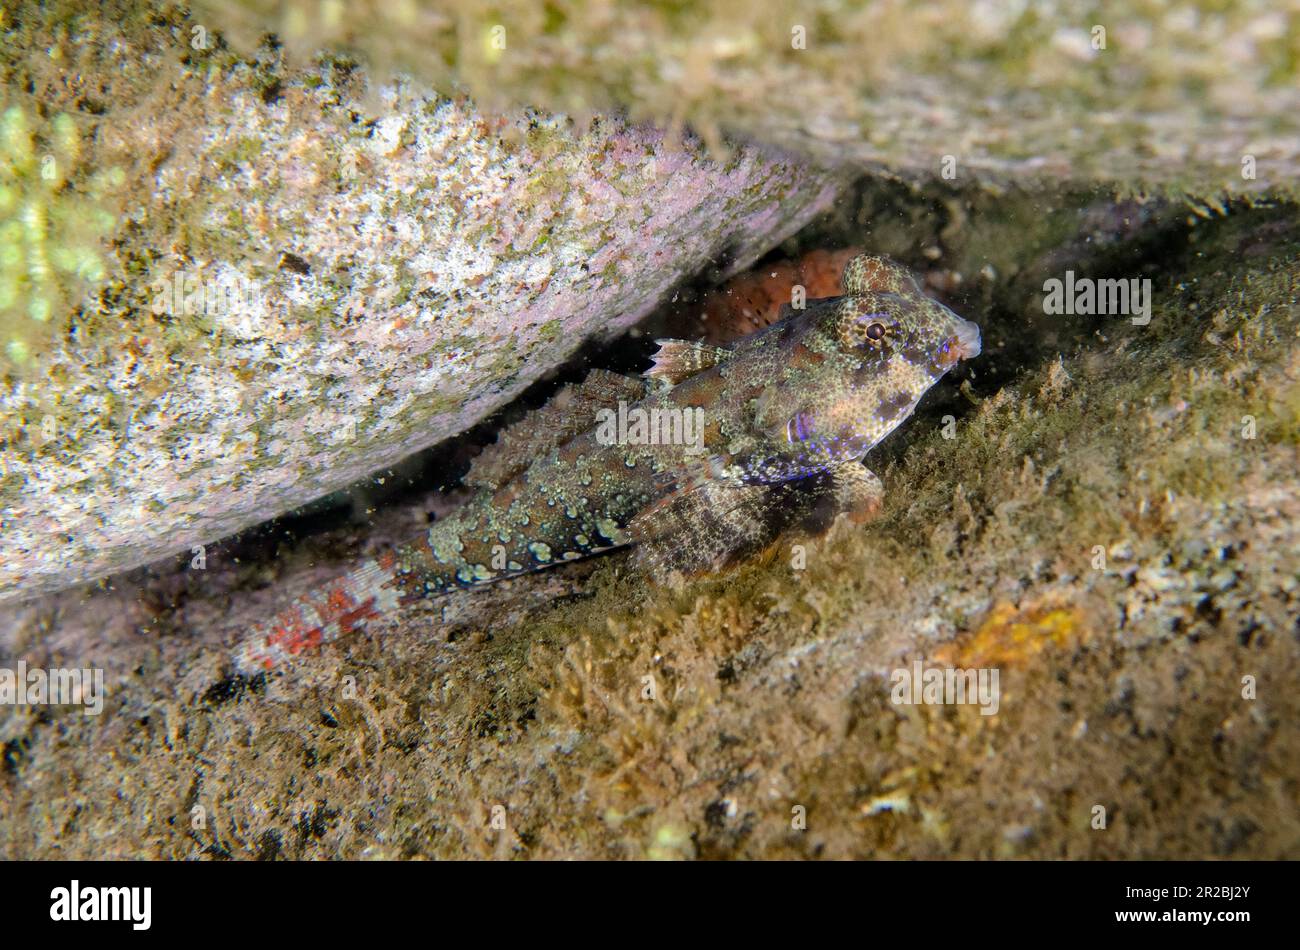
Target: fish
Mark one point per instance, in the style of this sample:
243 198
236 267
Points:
704 460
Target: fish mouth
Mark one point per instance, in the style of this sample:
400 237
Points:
967 339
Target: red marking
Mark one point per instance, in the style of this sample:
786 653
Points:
800 356
951 355
297 644
387 560
362 612
506 495
313 639
337 601
753 300
292 634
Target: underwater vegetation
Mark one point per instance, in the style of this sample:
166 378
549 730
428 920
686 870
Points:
55 214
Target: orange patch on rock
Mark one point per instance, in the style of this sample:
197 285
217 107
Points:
753 300
1012 636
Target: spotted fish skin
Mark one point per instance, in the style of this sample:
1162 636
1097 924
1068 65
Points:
784 416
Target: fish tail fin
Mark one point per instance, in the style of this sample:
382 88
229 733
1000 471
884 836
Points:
329 612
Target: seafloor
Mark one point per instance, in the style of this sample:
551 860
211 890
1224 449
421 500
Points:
1154 680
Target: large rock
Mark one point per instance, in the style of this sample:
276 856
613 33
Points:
1163 96
311 278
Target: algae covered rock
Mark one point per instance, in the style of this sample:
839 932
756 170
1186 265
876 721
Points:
1162 96
307 278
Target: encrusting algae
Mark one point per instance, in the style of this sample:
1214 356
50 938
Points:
54 217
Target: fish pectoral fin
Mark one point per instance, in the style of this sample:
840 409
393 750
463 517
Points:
702 526
677 360
711 523
856 492
845 491
569 413
800 427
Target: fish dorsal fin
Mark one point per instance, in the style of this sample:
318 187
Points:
571 411
867 273
682 359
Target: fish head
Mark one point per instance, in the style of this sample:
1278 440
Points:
890 349
884 328
851 370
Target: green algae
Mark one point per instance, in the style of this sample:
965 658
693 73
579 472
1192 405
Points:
55 216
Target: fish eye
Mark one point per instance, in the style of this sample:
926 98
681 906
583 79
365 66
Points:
872 328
